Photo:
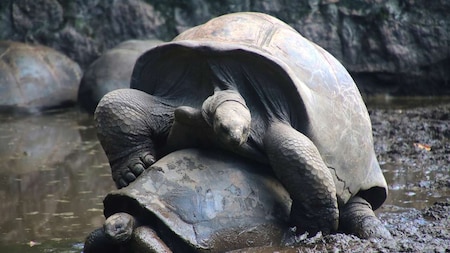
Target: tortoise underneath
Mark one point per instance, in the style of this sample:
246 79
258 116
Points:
196 201
250 84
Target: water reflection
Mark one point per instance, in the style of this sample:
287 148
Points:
53 177
413 135
414 187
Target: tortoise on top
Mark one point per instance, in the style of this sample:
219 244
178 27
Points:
249 83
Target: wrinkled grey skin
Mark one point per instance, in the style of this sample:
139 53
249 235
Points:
248 83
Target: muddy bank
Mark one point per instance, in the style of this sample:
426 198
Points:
415 141
414 150
412 144
413 230
52 196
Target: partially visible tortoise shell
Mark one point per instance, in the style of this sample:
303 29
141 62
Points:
34 77
282 76
211 200
112 70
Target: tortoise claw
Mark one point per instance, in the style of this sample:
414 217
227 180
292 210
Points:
121 183
126 171
137 169
148 160
130 177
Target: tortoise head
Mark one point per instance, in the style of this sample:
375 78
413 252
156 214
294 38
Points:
227 113
231 123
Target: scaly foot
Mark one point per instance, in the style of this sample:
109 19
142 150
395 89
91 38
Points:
126 170
357 217
298 165
128 123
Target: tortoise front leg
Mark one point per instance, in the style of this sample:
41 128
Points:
119 227
122 233
98 242
113 237
129 125
357 217
300 168
125 231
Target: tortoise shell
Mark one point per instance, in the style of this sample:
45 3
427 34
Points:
281 75
112 70
211 201
34 77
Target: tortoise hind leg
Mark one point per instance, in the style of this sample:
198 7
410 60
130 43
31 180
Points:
129 122
298 165
357 217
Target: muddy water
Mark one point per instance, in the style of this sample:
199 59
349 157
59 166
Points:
412 140
54 175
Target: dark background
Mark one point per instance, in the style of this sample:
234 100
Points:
397 47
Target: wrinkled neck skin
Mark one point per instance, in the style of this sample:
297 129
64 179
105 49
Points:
227 113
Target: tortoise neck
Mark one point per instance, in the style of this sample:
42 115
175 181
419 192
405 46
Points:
219 98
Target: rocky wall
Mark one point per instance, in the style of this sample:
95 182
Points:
398 47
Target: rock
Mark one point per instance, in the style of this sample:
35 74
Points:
111 71
389 46
82 29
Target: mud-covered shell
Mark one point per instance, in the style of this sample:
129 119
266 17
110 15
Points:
34 77
282 76
213 201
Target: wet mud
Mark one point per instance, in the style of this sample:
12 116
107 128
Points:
415 142
413 149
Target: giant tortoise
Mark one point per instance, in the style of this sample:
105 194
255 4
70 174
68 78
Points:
35 77
194 200
112 70
249 83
